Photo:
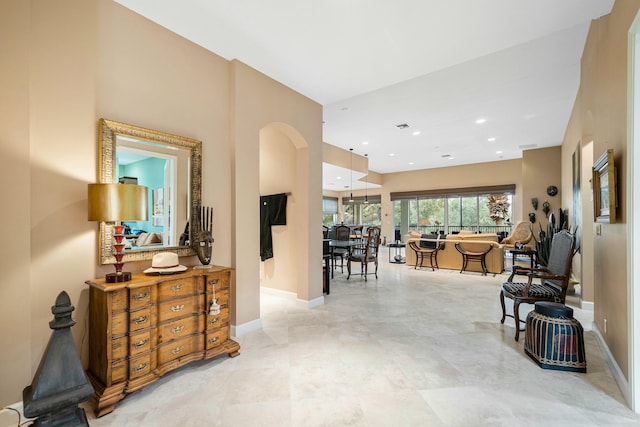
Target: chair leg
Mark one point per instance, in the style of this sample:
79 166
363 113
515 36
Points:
366 265
516 316
504 312
376 262
348 269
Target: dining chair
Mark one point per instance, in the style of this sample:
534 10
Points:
343 234
365 254
551 281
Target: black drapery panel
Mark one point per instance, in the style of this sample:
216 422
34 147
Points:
273 211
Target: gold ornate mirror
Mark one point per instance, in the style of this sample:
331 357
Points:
170 166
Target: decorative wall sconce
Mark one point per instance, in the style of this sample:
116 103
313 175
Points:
115 203
534 203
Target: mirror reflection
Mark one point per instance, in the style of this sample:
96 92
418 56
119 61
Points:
169 166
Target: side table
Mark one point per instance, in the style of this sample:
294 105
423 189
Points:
531 253
398 258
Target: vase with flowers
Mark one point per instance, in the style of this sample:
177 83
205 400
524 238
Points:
498 208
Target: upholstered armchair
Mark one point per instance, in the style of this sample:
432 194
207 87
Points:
521 234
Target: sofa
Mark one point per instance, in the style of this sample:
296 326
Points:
448 257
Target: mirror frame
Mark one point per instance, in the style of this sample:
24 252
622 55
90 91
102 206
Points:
108 130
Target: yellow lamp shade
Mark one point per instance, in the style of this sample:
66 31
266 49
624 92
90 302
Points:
117 202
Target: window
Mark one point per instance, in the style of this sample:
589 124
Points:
449 211
329 211
361 212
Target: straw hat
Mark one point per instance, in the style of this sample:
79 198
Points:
165 262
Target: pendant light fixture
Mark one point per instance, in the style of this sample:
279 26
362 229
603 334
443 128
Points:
351 170
366 178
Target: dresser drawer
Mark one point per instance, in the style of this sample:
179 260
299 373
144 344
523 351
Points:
217 320
179 348
217 281
216 338
179 307
141 297
222 298
119 370
118 300
119 324
141 365
180 328
177 288
119 347
141 343
141 319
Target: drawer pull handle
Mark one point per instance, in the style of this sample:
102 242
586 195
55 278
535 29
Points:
141 367
214 281
177 349
214 340
177 329
177 288
177 308
214 320
141 296
140 343
140 320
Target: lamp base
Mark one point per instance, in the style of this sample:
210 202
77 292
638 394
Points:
123 276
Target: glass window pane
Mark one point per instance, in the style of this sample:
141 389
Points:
469 213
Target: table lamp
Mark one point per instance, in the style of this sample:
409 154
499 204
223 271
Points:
116 203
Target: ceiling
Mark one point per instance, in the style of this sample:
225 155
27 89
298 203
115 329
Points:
436 66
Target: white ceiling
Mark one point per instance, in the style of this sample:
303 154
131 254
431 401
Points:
434 65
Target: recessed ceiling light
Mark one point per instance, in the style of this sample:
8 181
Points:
392 154
365 142
480 121
402 126
339 177
491 139
416 133
412 163
450 157
499 152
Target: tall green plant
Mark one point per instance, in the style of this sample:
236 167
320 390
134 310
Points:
543 243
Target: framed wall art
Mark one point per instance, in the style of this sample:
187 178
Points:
605 201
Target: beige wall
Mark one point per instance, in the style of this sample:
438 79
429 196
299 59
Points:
540 169
600 115
257 102
15 282
75 61
278 175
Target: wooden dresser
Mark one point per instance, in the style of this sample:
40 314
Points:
141 329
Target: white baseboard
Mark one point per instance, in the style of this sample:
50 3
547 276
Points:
311 303
587 305
623 384
293 296
278 293
245 328
9 418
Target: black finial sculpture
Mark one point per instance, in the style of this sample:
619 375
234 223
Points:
60 383
203 236
532 217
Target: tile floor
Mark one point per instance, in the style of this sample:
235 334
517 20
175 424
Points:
413 348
